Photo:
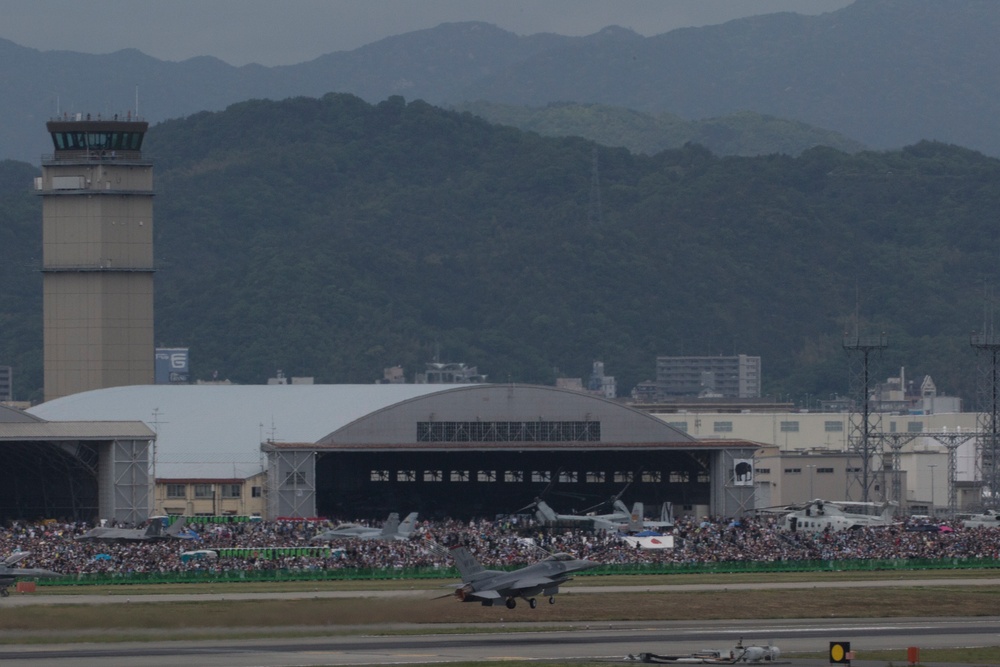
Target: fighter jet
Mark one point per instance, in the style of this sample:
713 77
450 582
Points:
638 524
154 531
489 587
392 529
9 575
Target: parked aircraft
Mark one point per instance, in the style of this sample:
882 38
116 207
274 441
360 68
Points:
392 529
489 587
9 575
737 654
154 531
619 517
828 515
988 519
638 524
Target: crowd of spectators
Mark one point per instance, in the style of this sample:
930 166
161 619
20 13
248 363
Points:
496 543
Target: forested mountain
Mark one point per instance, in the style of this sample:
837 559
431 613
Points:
330 237
885 73
743 133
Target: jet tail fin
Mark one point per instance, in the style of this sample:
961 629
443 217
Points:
620 507
544 513
177 526
391 525
466 563
635 518
667 512
408 525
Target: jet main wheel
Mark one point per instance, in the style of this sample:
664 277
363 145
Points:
4 592
552 600
511 603
532 603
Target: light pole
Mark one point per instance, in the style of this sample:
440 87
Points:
932 466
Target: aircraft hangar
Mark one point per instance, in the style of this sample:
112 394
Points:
443 450
73 470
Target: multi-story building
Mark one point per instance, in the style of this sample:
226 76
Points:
201 496
736 377
449 373
6 384
806 455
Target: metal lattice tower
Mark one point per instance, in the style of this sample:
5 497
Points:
896 442
953 442
864 440
987 346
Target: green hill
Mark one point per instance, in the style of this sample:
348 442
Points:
744 133
332 238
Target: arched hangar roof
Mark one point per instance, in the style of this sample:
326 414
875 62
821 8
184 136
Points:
501 415
216 430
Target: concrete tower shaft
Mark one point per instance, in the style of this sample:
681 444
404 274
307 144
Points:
97 256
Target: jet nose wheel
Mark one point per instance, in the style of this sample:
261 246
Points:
511 603
532 603
552 600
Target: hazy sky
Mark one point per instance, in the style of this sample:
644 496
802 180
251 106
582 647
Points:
283 32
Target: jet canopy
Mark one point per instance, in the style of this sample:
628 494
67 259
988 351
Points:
562 555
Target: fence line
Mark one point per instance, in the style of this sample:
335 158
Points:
354 574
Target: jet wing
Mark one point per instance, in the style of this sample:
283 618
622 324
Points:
32 572
533 582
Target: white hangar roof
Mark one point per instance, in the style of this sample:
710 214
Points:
215 431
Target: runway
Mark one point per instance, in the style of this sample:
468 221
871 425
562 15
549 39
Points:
399 644
120 596
611 642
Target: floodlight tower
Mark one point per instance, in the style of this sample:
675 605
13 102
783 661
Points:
864 441
97 255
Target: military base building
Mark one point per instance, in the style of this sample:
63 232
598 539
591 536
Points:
338 451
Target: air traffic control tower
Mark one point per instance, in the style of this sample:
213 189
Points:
97 255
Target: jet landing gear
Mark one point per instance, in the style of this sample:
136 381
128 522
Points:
4 592
532 602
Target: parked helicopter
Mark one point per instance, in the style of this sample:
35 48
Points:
828 515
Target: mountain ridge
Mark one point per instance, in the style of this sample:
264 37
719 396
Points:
330 237
883 73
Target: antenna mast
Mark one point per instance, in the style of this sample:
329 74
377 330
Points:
864 439
987 346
